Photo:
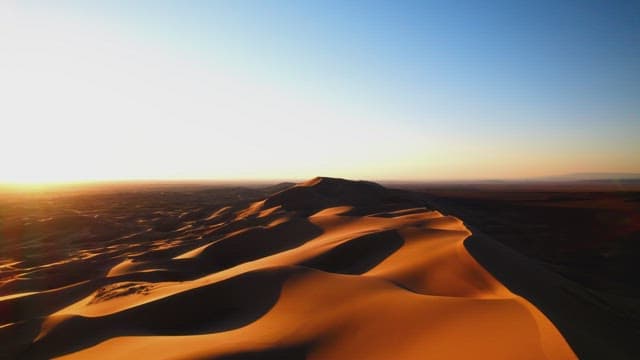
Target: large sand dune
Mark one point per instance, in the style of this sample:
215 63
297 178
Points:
328 269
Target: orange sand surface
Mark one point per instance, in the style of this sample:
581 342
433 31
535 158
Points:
328 269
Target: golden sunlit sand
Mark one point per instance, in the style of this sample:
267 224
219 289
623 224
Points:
327 269
142 143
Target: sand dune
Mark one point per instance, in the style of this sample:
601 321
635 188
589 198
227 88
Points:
327 269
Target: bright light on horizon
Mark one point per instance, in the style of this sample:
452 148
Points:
87 104
86 99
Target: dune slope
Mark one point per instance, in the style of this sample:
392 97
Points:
327 269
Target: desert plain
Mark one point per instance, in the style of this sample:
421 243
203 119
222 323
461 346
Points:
323 269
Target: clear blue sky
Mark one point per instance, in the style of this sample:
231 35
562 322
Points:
464 89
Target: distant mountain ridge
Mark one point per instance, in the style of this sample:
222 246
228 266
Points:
596 176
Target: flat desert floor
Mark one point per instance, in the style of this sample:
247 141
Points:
325 269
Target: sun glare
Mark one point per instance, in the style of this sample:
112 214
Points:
84 100
87 103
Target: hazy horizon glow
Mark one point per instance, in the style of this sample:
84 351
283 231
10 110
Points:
284 90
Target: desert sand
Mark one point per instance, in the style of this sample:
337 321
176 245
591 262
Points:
326 269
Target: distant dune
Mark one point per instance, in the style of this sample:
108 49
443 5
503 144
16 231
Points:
326 269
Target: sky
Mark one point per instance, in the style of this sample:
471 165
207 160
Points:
379 90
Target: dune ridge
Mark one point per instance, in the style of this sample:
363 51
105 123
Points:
326 269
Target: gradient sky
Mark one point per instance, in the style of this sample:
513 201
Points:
295 89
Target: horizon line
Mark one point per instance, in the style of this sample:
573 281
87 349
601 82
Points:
568 177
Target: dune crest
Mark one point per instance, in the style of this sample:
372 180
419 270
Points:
327 269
